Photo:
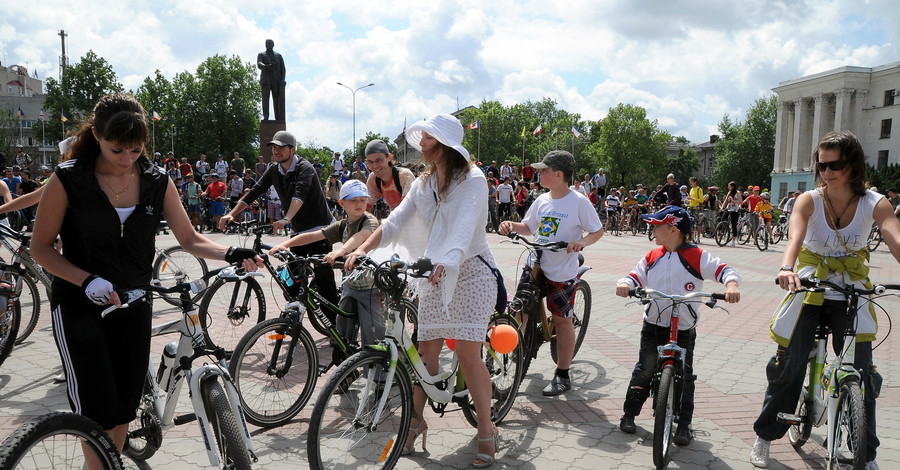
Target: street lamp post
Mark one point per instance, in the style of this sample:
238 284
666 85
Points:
353 145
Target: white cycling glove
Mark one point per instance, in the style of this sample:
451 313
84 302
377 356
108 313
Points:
97 289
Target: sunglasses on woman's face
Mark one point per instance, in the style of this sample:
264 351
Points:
836 165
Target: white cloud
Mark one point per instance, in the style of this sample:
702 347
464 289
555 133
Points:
688 63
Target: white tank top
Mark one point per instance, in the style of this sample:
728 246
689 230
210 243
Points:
124 212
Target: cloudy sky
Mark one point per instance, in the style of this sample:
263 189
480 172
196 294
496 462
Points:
687 62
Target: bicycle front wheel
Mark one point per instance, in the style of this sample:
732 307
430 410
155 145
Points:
581 315
229 309
275 368
9 326
58 441
232 450
505 371
29 308
345 430
850 430
799 433
174 266
723 233
664 417
762 238
874 239
745 233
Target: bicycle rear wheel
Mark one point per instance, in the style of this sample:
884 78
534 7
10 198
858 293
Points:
505 371
664 417
581 315
144 433
9 325
762 238
29 308
229 309
723 233
343 430
874 239
745 233
850 430
174 266
232 449
275 368
777 233
58 441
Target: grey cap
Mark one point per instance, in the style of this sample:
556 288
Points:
557 160
283 139
376 146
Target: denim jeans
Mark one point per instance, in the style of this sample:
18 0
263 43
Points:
786 371
653 336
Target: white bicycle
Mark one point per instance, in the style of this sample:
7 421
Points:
214 399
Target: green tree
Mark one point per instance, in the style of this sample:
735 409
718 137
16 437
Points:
629 146
746 150
683 165
83 84
370 136
156 96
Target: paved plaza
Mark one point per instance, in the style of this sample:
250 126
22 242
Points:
578 430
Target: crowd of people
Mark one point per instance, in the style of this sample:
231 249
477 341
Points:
107 198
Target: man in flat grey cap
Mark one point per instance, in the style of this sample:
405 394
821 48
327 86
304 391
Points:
302 200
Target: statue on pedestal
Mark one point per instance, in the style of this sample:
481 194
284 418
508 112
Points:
271 78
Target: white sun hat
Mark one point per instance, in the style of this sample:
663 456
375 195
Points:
443 127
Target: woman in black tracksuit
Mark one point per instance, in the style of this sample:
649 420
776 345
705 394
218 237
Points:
105 204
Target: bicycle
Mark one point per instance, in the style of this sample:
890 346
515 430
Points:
214 399
174 265
528 309
874 239
780 229
667 384
612 222
365 408
58 441
9 317
276 364
833 395
25 278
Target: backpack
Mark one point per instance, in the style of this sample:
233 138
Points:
396 174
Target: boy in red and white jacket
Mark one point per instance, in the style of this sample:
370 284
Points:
677 267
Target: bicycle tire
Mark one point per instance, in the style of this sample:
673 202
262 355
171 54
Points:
850 430
59 439
664 417
709 228
29 308
272 395
723 233
581 316
229 309
144 436
9 327
533 338
777 233
175 265
745 233
874 239
338 437
799 433
651 233
762 238
232 449
505 371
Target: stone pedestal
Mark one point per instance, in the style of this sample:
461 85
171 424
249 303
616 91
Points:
267 130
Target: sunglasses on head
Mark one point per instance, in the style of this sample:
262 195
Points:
836 165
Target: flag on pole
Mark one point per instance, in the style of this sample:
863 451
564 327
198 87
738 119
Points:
21 113
555 129
575 132
63 116
156 116
523 131
42 115
475 125
538 129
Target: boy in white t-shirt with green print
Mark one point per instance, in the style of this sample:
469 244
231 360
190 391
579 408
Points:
562 215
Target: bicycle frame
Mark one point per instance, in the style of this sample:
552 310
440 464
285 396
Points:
167 385
21 256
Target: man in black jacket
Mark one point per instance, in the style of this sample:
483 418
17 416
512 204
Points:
303 200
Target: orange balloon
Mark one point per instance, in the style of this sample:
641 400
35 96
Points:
451 343
504 338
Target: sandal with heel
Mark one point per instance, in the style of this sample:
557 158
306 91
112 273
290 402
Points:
421 429
483 459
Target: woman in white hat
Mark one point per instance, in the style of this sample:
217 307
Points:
447 204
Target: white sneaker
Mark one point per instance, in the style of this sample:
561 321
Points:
873 465
759 456
732 241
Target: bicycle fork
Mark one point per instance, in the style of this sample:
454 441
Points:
217 372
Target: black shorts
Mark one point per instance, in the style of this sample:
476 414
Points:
105 359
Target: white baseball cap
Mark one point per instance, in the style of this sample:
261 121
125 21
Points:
353 189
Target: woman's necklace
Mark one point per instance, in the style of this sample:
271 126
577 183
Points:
127 185
837 220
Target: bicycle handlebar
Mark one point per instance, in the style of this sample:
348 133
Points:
554 246
232 272
814 284
643 293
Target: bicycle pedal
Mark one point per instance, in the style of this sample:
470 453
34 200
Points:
179 420
789 419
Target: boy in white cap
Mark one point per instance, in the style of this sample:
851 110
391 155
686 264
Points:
351 232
